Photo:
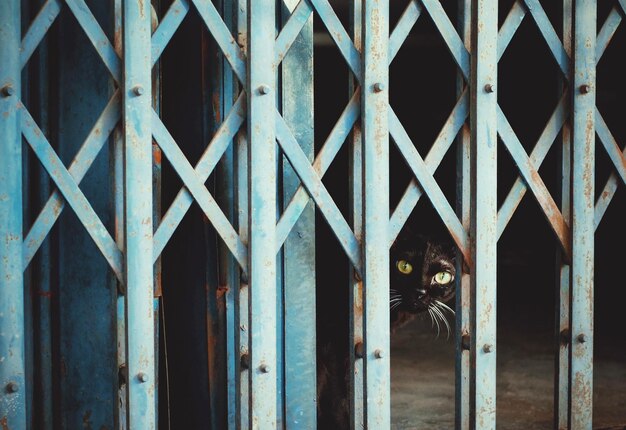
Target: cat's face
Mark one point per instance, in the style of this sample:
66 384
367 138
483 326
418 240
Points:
422 275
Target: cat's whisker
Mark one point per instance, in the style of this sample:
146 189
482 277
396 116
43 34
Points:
442 317
436 321
432 321
442 304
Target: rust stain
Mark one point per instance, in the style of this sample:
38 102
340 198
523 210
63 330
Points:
221 291
87 420
216 108
47 294
156 155
4 423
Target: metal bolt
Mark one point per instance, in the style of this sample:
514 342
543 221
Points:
490 88
379 353
12 387
8 91
465 342
142 377
379 87
487 348
358 350
138 90
264 368
244 361
264 89
584 89
582 338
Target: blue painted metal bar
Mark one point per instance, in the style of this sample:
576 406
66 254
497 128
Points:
141 384
375 110
607 31
322 162
12 365
435 155
483 112
194 187
552 39
534 182
510 26
262 213
610 145
38 29
429 185
356 387
95 141
72 193
209 159
96 36
563 282
402 29
231 50
292 29
463 208
540 151
583 187
167 27
450 35
318 192
338 33
300 391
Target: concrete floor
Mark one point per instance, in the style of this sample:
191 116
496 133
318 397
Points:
422 380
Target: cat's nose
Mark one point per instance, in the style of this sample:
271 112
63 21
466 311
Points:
421 293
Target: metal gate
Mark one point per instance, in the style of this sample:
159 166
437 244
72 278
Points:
84 93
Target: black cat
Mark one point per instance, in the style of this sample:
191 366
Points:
422 273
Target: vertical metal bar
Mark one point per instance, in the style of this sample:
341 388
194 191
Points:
262 212
356 387
562 335
374 109
299 247
484 210
241 323
12 381
463 196
138 216
583 189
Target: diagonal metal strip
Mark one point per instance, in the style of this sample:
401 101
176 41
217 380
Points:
403 28
97 37
607 31
511 25
322 162
611 146
439 149
72 194
608 192
318 192
535 183
83 160
38 29
209 159
292 29
538 154
429 186
450 35
552 39
222 35
622 4
339 35
167 27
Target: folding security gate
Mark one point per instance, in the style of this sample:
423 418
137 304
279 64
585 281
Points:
258 123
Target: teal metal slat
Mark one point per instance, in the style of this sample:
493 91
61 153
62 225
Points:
137 102
12 364
484 211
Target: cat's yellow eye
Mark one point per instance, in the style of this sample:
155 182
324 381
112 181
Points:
443 278
404 267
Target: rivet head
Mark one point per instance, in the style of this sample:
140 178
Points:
490 88
8 91
465 342
379 87
244 360
358 350
265 89
582 338
379 353
487 348
142 377
264 368
138 90
12 387
584 89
